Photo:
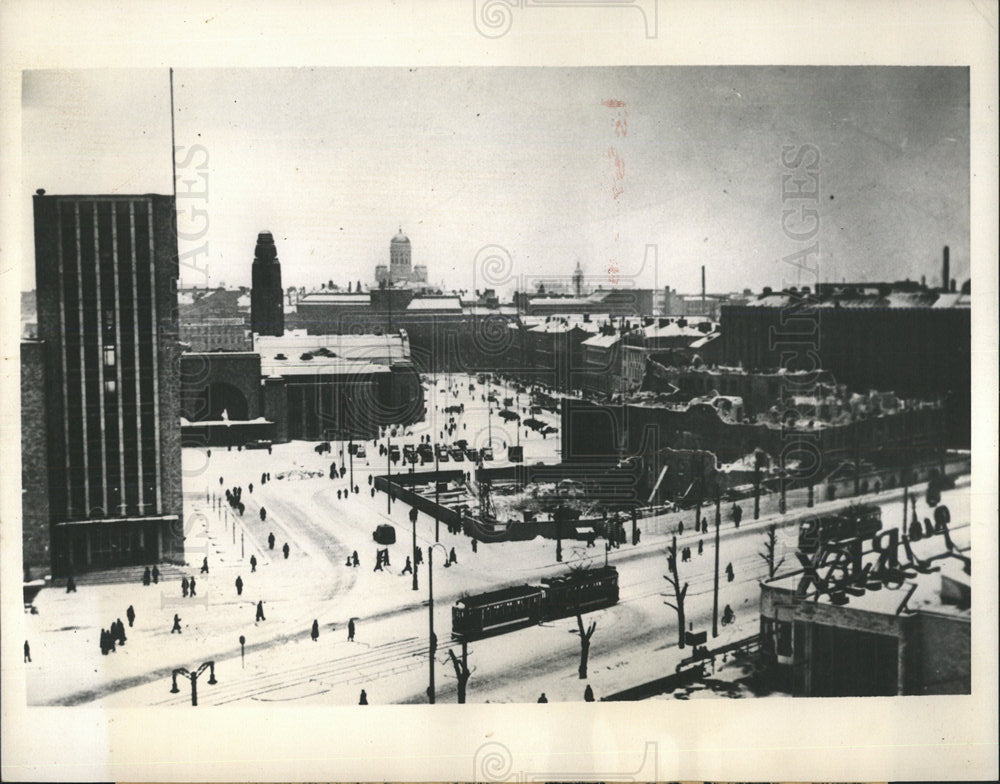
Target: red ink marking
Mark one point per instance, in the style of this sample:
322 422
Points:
613 103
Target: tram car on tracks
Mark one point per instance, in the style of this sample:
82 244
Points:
856 521
508 609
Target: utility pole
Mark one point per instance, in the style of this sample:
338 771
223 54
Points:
437 498
388 462
715 580
432 646
413 523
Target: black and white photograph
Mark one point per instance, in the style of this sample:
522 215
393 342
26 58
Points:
500 386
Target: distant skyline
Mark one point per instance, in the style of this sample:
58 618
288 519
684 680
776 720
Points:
556 165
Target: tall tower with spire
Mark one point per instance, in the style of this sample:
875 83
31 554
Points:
578 280
267 316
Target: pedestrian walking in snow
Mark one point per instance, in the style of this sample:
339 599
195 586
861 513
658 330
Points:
543 698
315 630
270 540
184 587
130 615
239 585
350 630
27 652
452 558
253 563
378 561
260 612
285 550
120 631
385 556
701 547
588 694
204 565
145 576
369 479
354 558
191 586
177 624
408 569
70 584
250 488
680 528
372 491
475 545
156 575
364 698
729 572
420 556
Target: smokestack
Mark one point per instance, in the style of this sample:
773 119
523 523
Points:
703 288
945 271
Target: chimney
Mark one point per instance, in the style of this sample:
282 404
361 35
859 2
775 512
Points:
945 270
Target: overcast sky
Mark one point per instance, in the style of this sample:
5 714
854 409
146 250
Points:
553 165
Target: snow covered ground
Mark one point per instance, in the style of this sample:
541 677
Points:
635 641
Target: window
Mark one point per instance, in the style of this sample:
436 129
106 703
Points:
109 356
110 387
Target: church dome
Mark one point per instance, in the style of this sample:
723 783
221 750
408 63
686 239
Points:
400 239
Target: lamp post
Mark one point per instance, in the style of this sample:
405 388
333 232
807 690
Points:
193 677
430 605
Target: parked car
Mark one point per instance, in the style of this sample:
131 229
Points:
360 452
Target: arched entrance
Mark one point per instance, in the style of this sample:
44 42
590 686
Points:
220 396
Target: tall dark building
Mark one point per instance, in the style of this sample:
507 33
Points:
267 314
106 270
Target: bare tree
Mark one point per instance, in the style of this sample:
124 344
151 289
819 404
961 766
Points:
770 546
584 643
679 592
462 671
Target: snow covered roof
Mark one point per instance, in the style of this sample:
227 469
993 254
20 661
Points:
602 341
336 298
316 365
368 347
435 303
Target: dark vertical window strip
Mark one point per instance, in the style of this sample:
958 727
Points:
107 256
126 360
147 359
99 413
156 370
80 307
91 358
136 339
63 488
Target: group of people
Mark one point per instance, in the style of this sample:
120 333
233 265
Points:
147 577
588 695
115 634
188 587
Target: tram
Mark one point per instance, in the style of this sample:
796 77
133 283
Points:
498 612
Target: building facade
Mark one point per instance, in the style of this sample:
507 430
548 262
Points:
106 268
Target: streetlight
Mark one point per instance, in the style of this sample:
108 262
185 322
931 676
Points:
193 677
430 605
413 523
